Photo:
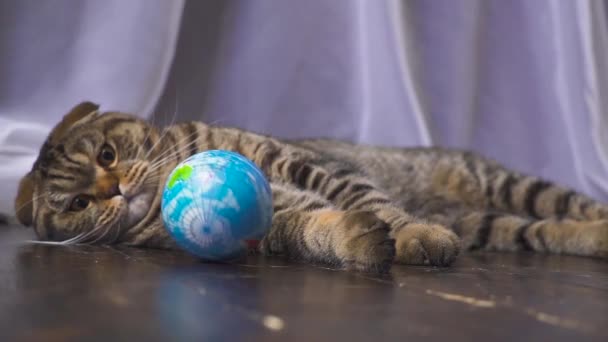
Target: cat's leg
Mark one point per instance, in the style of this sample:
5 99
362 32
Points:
505 232
417 241
483 183
348 189
309 228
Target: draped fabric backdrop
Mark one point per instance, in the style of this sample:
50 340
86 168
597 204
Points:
524 82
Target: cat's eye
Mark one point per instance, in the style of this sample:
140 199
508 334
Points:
106 156
80 202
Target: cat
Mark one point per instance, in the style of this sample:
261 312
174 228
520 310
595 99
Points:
99 176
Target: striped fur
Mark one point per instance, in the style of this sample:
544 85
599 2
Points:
356 207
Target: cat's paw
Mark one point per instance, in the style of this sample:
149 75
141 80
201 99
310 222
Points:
366 245
424 244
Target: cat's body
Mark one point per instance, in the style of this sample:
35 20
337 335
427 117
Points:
98 179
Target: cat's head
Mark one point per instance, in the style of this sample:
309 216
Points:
93 178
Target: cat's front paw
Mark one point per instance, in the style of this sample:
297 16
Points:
366 245
424 244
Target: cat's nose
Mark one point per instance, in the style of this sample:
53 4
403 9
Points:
107 187
114 190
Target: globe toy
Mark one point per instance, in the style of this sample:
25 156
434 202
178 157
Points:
215 203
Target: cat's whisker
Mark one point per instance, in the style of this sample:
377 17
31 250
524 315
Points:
105 234
80 238
162 159
91 233
152 181
102 235
152 174
181 148
160 138
152 127
124 167
117 233
176 107
214 122
41 242
116 230
163 153
173 153
70 241
28 203
178 143
165 131
161 162
142 153
83 237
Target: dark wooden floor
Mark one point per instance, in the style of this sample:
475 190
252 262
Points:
101 293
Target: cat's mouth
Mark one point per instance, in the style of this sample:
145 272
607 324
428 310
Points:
139 196
137 207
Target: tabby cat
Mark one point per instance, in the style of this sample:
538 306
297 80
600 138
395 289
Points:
99 176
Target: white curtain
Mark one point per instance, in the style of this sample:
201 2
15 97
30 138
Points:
523 82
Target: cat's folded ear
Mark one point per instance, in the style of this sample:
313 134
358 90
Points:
24 206
79 114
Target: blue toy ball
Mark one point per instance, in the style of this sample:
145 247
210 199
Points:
215 202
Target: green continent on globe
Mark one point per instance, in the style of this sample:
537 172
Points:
181 174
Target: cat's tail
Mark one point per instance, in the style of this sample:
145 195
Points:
506 232
508 191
